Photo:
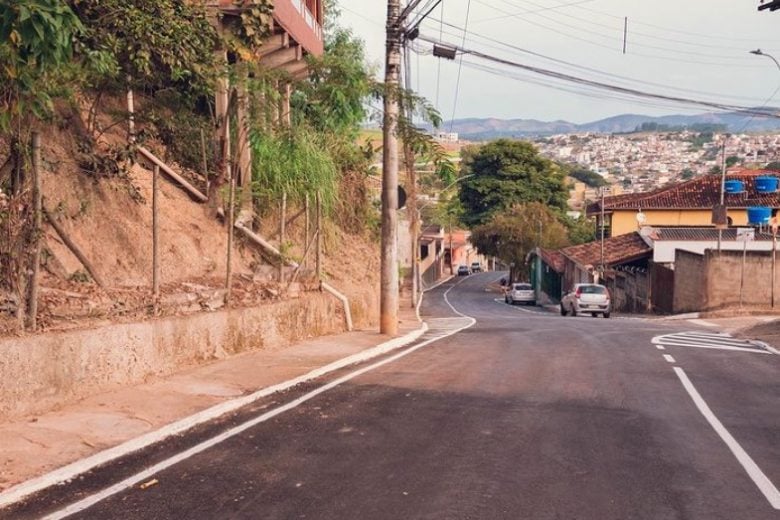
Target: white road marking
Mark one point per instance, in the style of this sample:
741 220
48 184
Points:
710 341
71 471
754 472
669 359
660 347
767 346
129 482
703 323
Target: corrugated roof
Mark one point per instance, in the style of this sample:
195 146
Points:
617 250
699 234
700 193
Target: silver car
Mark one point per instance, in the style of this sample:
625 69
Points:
520 293
587 298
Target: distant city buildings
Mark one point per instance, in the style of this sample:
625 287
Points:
446 137
640 162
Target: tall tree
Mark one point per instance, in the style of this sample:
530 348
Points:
512 234
506 173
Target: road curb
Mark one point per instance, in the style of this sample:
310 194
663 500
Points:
70 471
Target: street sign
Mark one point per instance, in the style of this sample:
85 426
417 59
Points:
746 234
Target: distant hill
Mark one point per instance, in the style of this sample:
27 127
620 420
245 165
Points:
490 128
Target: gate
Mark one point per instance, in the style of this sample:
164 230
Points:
662 294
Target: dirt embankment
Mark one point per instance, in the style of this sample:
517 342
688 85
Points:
110 220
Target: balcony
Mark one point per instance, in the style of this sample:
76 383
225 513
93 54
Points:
297 30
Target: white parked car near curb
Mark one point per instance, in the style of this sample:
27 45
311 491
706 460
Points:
587 298
520 293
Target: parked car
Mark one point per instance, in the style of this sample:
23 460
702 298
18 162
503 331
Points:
463 270
587 298
520 293
476 267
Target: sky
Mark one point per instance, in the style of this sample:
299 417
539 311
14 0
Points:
695 49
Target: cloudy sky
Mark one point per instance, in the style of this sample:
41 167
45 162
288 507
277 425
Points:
695 49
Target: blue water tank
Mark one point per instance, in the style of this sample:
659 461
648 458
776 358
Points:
759 215
767 184
735 186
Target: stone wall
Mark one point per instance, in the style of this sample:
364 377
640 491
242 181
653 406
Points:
40 372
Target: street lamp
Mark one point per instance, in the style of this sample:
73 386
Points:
759 52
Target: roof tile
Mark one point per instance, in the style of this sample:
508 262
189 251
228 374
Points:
617 250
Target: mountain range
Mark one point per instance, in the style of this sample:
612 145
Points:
490 128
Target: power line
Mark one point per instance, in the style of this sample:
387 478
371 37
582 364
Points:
607 26
610 87
460 65
615 39
588 69
438 70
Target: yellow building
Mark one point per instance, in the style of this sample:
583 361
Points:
685 204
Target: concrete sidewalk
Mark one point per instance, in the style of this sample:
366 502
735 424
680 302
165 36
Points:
38 445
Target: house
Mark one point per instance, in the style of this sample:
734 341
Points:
667 241
622 263
685 204
296 30
547 268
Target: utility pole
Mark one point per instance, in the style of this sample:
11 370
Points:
388 321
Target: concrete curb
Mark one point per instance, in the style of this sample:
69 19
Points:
66 473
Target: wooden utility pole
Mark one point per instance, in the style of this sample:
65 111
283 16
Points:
307 226
32 315
282 235
388 320
230 220
319 237
156 238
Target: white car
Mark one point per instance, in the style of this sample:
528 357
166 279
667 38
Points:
587 298
476 267
520 293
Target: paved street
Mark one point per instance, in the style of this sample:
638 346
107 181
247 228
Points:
497 412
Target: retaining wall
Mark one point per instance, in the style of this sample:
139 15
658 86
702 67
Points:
41 372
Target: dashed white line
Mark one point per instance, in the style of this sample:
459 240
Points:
669 359
660 347
754 472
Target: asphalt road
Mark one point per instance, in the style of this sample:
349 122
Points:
523 414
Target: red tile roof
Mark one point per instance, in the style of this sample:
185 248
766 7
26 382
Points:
617 250
700 193
554 259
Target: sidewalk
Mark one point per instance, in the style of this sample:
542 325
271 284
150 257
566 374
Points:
37 445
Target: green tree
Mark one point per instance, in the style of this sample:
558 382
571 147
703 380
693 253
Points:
775 166
507 173
589 177
35 56
731 160
512 234
687 174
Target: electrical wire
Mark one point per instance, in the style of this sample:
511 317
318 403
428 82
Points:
616 40
438 70
611 27
587 69
606 86
460 66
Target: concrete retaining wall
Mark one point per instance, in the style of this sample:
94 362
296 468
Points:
689 282
48 370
